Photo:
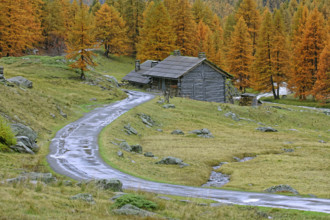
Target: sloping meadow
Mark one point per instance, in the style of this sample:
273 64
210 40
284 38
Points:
298 154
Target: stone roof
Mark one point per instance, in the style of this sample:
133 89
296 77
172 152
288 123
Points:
137 77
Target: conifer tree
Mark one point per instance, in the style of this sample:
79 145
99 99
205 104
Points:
204 39
217 42
111 30
248 10
184 26
263 78
321 89
239 57
228 30
157 38
81 40
307 55
202 12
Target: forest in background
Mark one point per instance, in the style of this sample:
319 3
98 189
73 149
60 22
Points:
262 43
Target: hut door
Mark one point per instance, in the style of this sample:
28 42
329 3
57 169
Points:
163 85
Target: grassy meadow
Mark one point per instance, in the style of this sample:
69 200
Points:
306 168
55 86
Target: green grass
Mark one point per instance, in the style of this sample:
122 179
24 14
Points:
305 169
291 100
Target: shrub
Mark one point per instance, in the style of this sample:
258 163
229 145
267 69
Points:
7 137
135 200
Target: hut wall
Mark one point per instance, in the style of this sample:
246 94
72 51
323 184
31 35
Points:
203 83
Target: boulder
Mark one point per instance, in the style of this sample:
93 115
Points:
27 142
232 116
130 130
148 154
177 132
125 146
169 106
266 129
172 161
136 148
84 197
20 147
281 188
112 79
22 130
205 133
146 119
322 142
21 81
110 184
129 209
120 154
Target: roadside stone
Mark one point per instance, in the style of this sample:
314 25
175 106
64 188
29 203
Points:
137 149
129 209
172 161
148 154
232 116
120 154
21 82
84 197
130 130
167 106
110 184
266 129
125 146
177 132
281 188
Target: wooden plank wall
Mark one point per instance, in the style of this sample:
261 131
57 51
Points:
203 83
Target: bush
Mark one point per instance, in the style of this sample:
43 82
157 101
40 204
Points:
7 137
135 200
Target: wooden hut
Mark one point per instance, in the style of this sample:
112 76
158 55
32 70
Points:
192 77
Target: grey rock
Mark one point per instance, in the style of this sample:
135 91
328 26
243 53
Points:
146 119
281 188
23 130
114 143
322 141
130 130
266 129
20 147
129 209
217 179
288 150
159 130
136 148
125 146
110 184
120 154
148 154
21 81
61 112
52 115
327 113
172 161
84 197
118 195
161 101
27 142
232 116
178 132
205 133
167 106
219 109
182 165
43 177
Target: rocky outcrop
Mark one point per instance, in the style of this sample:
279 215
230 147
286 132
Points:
281 189
25 139
110 184
172 161
129 209
131 148
21 82
205 133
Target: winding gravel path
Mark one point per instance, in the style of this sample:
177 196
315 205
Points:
74 153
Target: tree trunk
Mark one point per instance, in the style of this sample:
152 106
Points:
273 88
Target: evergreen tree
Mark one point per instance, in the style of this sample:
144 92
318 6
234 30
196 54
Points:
217 42
248 10
239 56
204 39
202 12
157 38
111 30
228 30
81 40
263 78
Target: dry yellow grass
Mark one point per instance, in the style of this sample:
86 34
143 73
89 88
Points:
306 169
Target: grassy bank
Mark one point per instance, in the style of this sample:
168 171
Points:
291 100
305 168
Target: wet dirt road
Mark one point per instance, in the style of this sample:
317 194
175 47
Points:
74 153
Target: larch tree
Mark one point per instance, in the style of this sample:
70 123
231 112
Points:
280 54
239 58
157 38
227 32
307 55
111 30
185 28
202 12
81 41
20 27
217 42
204 39
248 10
263 72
